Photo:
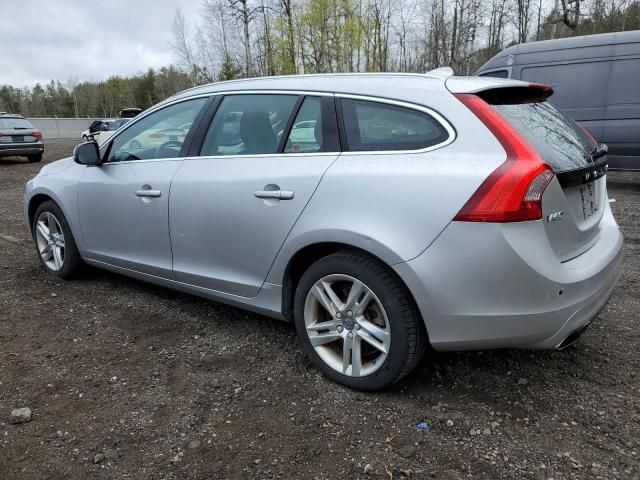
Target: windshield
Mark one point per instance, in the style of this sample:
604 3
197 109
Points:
14 123
557 138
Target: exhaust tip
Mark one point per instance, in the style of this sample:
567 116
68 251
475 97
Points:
573 337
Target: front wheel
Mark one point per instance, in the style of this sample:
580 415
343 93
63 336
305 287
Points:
54 242
357 322
35 158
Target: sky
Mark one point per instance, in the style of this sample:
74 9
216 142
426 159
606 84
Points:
42 40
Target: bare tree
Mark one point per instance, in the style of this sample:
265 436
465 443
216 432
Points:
240 10
571 13
182 44
523 19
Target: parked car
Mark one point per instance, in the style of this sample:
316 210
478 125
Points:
19 138
94 130
129 112
460 212
595 80
109 128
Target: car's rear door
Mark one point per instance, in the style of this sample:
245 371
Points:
123 204
234 201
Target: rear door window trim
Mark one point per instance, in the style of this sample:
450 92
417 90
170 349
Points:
196 146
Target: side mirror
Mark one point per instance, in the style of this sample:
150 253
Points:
87 154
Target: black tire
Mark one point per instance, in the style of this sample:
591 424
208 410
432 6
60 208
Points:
72 263
35 158
408 334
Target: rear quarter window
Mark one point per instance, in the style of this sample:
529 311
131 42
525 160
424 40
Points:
375 126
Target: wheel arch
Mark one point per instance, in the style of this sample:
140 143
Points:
34 202
302 259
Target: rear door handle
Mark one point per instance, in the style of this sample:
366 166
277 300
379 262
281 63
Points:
275 194
148 193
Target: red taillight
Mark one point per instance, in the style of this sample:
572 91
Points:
513 192
37 134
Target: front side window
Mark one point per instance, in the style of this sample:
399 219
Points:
158 135
248 125
374 126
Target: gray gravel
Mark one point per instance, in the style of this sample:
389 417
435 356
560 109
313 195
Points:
126 380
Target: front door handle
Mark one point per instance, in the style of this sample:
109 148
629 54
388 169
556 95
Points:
148 193
274 194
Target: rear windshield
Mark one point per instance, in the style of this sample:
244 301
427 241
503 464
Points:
557 138
14 123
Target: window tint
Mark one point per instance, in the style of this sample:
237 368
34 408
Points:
248 125
308 133
376 126
496 74
553 135
158 135
14 123
623 88
570 90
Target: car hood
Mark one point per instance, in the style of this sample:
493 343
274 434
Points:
56 167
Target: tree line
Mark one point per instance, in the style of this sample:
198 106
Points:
243 38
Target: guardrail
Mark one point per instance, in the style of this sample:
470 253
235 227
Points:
53 128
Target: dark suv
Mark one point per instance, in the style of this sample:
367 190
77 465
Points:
18 138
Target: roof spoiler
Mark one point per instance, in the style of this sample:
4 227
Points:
532 93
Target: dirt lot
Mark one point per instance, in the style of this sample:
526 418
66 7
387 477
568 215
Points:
128 380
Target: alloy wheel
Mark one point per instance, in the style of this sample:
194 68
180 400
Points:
50 241
347 325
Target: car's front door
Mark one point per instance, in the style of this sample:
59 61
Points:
232 207
124 203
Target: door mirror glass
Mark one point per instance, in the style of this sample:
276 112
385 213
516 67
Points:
87 154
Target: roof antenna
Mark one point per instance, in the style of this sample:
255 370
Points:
442 72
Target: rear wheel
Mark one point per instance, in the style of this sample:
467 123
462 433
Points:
357 322
54 242
35 158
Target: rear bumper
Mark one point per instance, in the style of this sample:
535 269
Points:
501 285
20 149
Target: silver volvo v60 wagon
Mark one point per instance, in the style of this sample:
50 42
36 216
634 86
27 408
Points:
378 212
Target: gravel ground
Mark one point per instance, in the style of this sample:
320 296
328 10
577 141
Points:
128 380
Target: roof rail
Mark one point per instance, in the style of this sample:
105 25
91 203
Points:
442 72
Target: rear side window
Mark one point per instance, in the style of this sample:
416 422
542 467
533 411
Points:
248 125
575 85
14 123
623 88
314 128
496 74
557 138
374 126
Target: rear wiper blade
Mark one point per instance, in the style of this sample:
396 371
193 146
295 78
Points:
600 150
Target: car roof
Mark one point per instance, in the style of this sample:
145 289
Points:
10 115
392 85
510 54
